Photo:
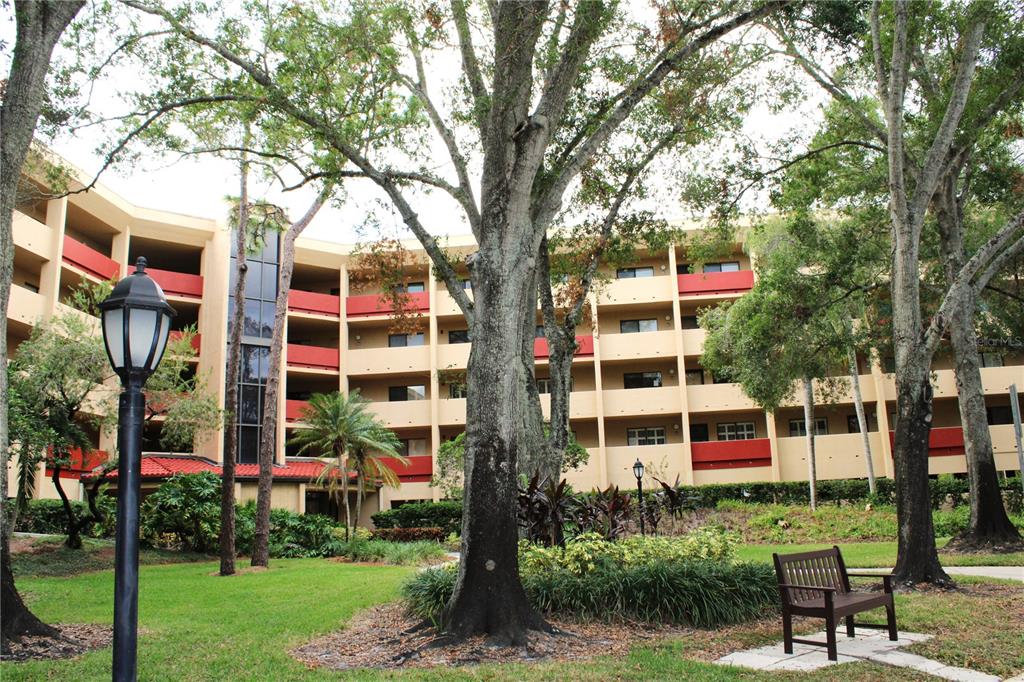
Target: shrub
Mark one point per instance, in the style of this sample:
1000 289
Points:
396 553
699 593
408 534
187 507
292 535
445 515
48 517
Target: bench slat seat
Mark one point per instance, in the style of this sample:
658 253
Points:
817 584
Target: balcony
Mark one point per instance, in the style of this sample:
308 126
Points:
667 458
637 346
640 401
711 283
24 306
313 357
89 260
453 355
375 304
403 413
731 454
313 303
293 410
32 235
196 338
942 441
419 470
839 455
365 361
717 398
693 341
446 305
639 290
582 405
177 283
584 347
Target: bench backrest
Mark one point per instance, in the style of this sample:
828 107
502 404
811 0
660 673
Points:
821 568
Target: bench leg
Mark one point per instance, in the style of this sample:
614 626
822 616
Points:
830 636
849 626
787 632
890 612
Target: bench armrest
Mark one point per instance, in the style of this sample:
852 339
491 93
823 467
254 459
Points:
885 577
808 587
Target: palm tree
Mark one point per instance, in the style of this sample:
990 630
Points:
368 455
341 427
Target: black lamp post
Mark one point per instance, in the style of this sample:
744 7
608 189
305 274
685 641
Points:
638 471
136 323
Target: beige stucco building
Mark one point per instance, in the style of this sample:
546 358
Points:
639 390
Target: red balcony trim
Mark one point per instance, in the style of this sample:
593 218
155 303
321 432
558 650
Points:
585 347
420 468
314 357
313 302
177 283
943 441
196 338
81 464
704 283
89 259
293 410
731 454
375 304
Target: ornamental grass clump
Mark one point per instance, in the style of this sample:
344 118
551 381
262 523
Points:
688 580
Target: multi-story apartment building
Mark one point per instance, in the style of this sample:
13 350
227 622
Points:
639 390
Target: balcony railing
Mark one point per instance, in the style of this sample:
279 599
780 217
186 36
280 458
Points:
313 357
375 304
177 283
80 463
314 303
294 409
419 470
584 347
942 441
196 338
706 283
89 259
731 454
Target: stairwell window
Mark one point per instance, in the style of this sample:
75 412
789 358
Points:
736 431
636 326
646 435
633 273
641 380
797 427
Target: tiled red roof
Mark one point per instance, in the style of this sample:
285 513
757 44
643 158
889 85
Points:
164 466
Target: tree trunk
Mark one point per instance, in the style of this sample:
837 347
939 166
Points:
360 480
39 26
489 598
862 420
227 484
268 438
989 524
812 473
74 539
343 464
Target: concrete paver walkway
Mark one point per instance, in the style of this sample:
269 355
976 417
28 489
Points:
869 645
1000 572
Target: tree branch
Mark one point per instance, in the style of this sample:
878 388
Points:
471 67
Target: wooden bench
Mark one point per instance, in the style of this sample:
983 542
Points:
817 584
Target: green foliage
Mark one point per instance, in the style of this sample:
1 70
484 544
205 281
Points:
408 534
87 295
414 553
187 507
446 515
292 535
48 517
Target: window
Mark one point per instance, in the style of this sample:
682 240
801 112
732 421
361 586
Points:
797 427
403 340
641 379
634 326
458 336
646 435
456 390
690 322
412 447
410 288
466 284
632 273
699 433
694 377
403 393
888 364
730 266
991 360
544 385
736 431
682 268
999 414
538 333
852 424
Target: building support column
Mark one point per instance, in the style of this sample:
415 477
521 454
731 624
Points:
773 441
49 274
602 451
677 333
435 384
882 415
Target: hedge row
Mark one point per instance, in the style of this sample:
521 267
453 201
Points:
408 534
446 515
48 517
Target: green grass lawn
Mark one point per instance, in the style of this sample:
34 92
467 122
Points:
197 626
879 554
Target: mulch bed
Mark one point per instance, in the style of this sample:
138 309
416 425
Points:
76 639
386 637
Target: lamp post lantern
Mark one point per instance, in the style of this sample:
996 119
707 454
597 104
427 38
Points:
136 320
638 471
